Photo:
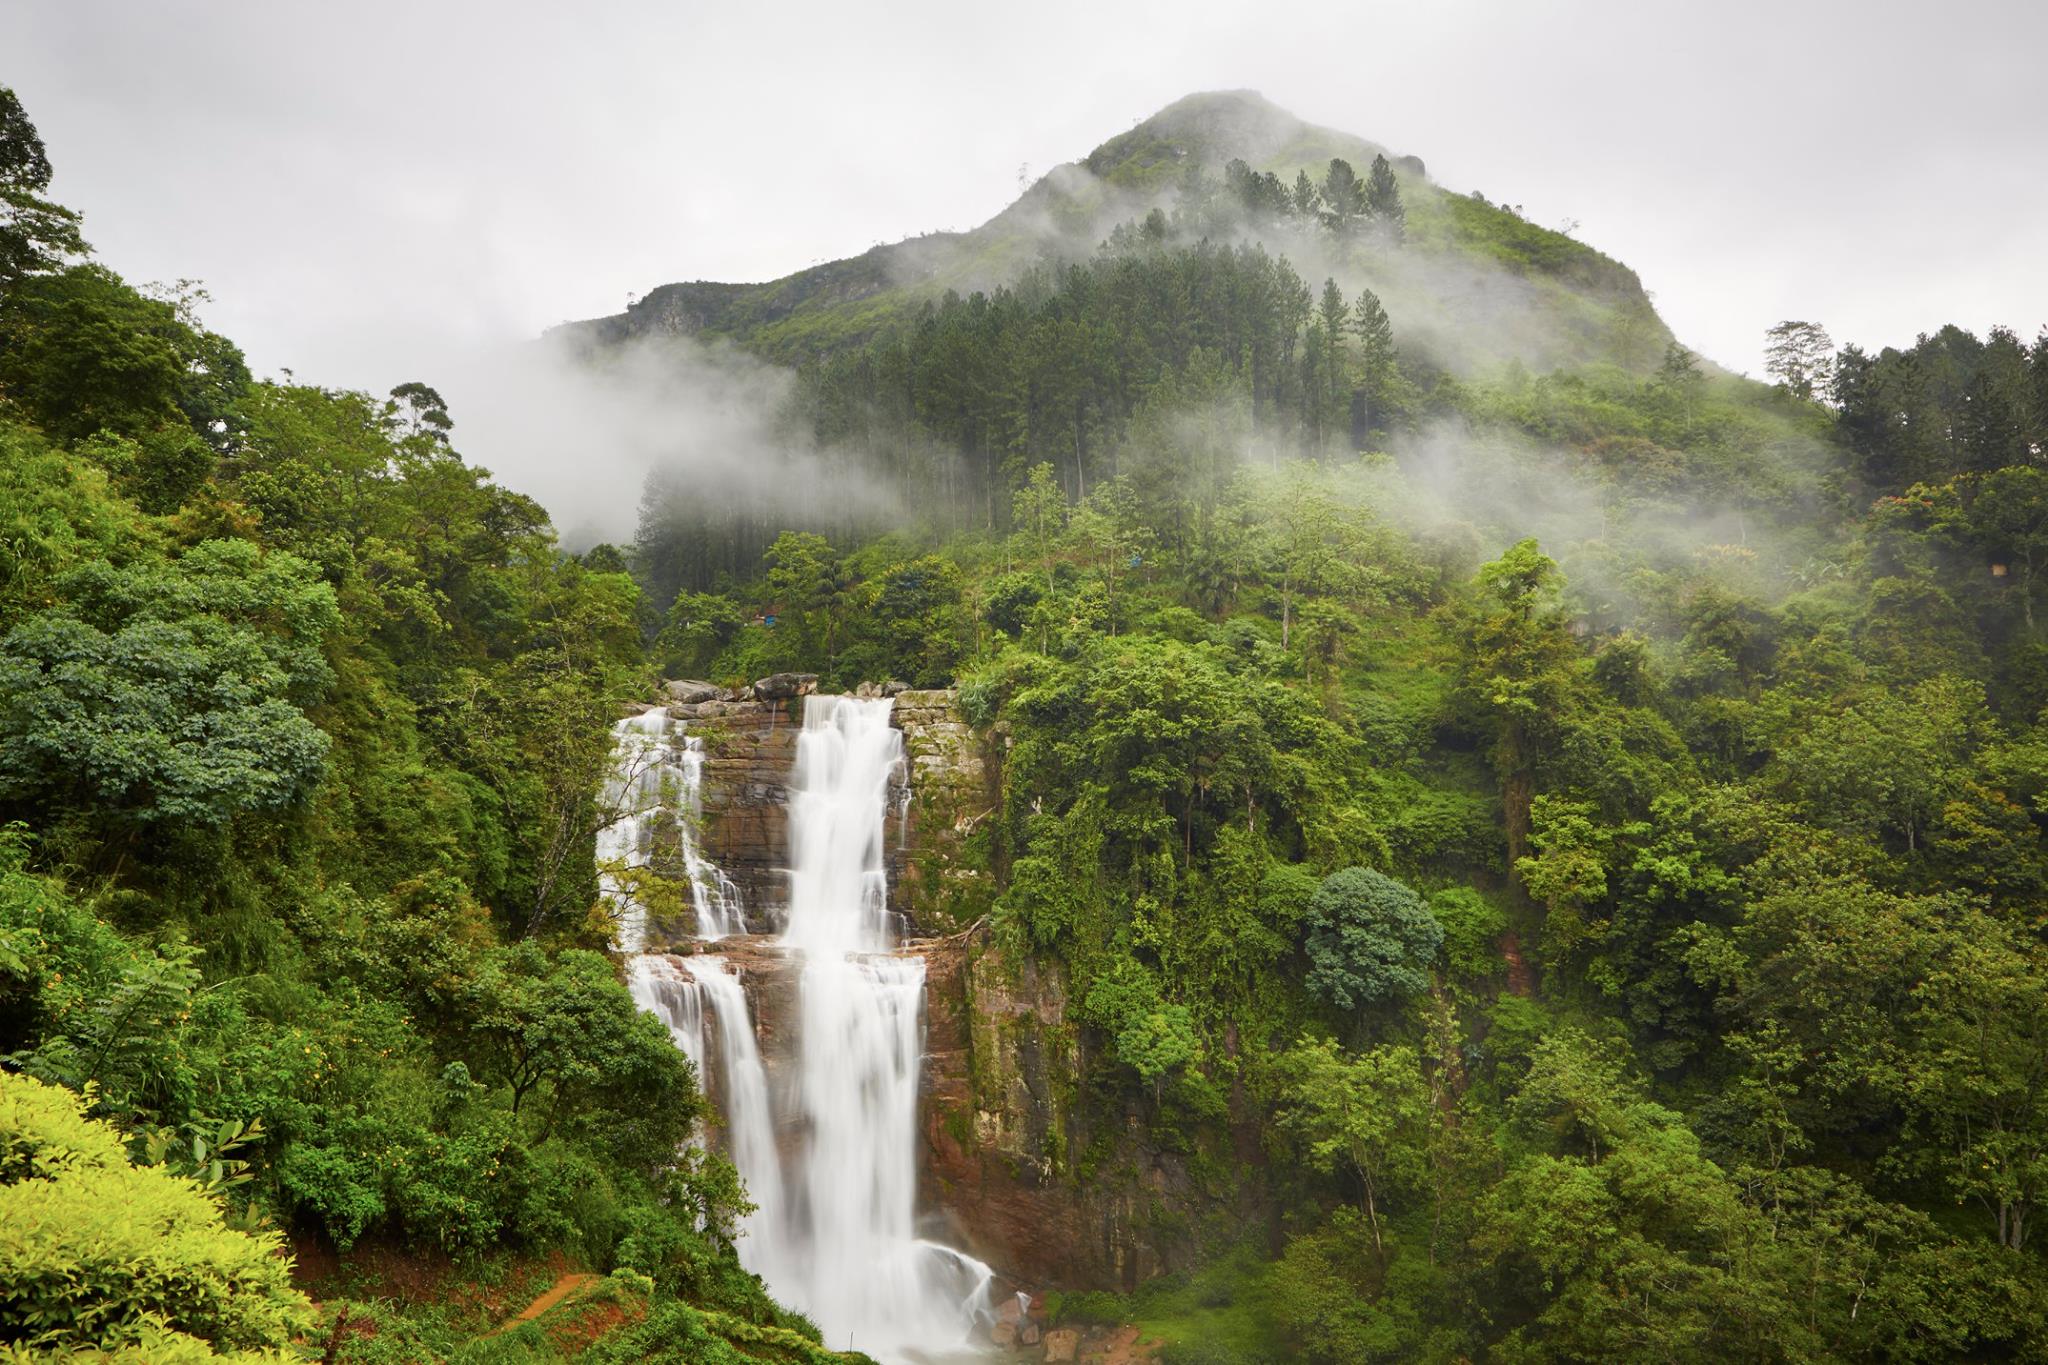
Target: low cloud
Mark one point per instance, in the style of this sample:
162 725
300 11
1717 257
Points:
585 432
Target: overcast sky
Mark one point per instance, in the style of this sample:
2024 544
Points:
365 186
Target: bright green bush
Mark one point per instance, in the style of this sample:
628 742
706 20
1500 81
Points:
98 1253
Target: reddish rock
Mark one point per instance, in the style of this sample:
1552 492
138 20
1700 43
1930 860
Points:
1002 1134
749 749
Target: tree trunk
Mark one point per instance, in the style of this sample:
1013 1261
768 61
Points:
1517 794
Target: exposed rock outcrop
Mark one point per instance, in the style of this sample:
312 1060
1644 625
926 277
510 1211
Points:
687 691
784 686
932 879
749 749
1006 1130
1004 1122
749 738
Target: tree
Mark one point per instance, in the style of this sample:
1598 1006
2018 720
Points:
1680 378
1569 874
1800 357
1618 1231
1381 200
803 588
1516 672
170 693
425 411
1335 318
1370 940
84 352
1375 357
699 627
1151 1037
1367 1111
1306 540
563 1031
1041 516
1889 763
1979 1082
1343 196
36 235
1305 198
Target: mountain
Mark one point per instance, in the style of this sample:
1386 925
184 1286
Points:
1474 285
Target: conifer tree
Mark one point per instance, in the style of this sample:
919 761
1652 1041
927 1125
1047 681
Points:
1375 356
1382 201
1334 316
1343 196
1305 198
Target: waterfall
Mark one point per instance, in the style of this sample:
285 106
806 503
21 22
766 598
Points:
665 990
717 901
855 1263
834 1231
656 770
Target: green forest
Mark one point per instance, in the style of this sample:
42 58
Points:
1576 824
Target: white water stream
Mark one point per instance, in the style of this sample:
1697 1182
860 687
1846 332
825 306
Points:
658 770
834 1233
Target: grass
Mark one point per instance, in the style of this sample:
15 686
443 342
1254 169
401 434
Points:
1219 1314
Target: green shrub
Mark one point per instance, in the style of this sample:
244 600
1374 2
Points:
98 1254
1472 927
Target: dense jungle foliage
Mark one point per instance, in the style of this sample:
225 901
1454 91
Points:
302 724
1586 824
1627 944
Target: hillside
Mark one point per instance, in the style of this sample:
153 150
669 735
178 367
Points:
1476 286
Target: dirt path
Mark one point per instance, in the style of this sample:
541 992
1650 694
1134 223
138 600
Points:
1521 981
559 1290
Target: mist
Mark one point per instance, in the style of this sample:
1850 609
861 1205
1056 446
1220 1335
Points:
584 432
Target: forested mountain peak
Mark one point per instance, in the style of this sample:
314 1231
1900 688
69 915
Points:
1212 126
1470 284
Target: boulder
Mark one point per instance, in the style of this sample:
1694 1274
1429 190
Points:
783 686
1027 1333
689 691
1061 1343
1002 1333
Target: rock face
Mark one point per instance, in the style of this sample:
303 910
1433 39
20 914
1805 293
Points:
690 690
749 749
1005 1131
749 738
1004 1122
783 686
932 881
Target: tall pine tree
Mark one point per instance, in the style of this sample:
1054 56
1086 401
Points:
1382 201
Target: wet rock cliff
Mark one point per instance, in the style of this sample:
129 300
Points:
1019 1166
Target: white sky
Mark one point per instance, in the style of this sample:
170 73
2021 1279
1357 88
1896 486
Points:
367 187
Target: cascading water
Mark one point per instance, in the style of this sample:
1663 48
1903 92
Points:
834 1231
854 1262
657 769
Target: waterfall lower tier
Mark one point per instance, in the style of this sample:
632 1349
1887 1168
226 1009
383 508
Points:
705 1008
823 1128
861 1270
